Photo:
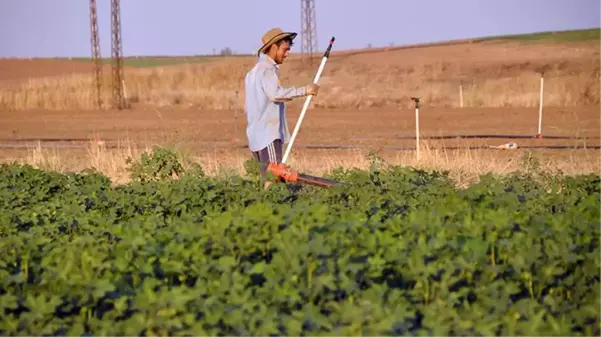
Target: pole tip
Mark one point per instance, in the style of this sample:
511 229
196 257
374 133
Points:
332 40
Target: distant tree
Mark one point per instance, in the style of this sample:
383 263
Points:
226 51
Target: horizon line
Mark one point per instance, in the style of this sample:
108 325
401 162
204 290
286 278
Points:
365 49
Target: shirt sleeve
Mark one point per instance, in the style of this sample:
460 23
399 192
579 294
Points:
273 89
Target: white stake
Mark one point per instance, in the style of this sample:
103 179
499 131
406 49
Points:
540 107
416 100
235 138
461 95
124 92
307 102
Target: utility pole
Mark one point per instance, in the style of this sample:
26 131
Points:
96 52
308 31
117 55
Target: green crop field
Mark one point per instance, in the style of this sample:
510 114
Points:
554 36
157 61
397 252
146 62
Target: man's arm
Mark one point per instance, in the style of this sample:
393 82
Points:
275 92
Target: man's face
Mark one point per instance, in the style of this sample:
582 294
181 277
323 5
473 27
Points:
281 52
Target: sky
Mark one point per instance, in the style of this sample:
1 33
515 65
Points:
60 28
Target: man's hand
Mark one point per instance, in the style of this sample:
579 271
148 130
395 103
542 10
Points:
312 89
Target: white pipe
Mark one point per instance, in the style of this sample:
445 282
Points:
236 117
307 102
417 131
124 92
540 107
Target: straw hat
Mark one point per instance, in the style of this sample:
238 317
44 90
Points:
272 36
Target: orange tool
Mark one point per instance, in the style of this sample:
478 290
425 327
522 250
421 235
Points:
286 174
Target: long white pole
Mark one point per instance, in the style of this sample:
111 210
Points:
461 95
235 138
307 101
540 106
124 92
417 131
416 99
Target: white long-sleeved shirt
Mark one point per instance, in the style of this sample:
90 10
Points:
265 107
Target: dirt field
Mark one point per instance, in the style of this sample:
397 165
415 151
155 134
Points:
494 74
364 104
328 139
13 71
371 127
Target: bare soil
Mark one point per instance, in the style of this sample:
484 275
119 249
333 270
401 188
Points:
22 69
373 127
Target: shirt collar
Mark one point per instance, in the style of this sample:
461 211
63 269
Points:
266 58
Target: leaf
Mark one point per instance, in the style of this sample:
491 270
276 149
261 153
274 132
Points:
101 287
258 268
227 261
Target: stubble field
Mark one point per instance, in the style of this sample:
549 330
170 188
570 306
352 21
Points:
364 104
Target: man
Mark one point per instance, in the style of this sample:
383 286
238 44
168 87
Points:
265 99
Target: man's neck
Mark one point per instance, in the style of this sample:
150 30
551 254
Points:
270 59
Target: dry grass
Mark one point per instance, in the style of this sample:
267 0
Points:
495 76
183 85
465 166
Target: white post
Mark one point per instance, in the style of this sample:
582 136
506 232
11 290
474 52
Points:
461 94
416 99
540 107
417 131
236 118
124 91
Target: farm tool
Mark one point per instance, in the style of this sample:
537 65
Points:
285 173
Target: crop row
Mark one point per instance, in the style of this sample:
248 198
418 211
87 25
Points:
397 252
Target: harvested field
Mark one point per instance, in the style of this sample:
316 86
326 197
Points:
206 137
494 74
364 105
372 127
15 71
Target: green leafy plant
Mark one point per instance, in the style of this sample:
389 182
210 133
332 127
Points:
398 251
160 164
251 167
376 162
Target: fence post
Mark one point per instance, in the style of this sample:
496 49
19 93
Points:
540 106
462 80
416 100
461 94
235 138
